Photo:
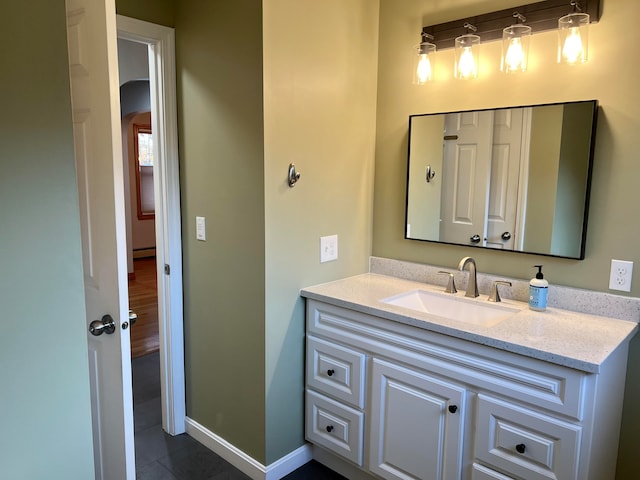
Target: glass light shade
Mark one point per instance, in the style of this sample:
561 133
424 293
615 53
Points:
515 48
573 38
423 63
467 50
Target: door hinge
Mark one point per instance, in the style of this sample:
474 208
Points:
167 269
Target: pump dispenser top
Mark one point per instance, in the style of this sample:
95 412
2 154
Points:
538 291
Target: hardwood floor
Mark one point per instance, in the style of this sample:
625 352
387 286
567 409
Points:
143 299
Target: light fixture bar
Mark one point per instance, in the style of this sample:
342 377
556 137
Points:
541 16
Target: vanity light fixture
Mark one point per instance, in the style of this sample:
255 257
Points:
423 62
467 54
540 16
515 46
573 36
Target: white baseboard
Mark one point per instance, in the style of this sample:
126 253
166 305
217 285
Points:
243 462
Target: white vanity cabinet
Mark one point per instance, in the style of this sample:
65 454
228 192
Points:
401 402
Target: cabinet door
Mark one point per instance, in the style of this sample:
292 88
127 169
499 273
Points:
416 424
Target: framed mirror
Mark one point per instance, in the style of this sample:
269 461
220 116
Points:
514 179
143 152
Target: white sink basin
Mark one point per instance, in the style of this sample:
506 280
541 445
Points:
461 309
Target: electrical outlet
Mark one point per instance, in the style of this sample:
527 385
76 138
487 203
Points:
328 248
620 276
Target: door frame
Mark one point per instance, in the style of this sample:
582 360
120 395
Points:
162 83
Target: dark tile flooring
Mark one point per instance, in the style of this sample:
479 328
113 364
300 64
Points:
160 456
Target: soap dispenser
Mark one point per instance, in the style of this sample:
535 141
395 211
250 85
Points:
538 290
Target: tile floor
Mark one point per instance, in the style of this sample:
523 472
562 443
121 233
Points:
162 457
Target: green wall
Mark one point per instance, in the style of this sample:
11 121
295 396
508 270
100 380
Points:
220 116
546 125
161 12
320 69
45 414
613 228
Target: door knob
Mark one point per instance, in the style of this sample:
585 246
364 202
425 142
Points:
506 236
104 325
133 316
475 238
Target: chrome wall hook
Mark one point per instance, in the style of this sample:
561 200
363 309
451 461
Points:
293 175
431 173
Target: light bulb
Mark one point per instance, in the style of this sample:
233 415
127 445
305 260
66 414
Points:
573 38
467 64
572 49
423 71
514 59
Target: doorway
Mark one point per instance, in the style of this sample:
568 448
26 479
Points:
158 44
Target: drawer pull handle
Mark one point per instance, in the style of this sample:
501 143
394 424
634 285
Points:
329 428
330 372
520 448
453 408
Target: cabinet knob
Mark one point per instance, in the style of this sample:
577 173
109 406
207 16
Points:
453 408
329 428
330 372
520 448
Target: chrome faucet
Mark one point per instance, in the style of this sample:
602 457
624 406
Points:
472 284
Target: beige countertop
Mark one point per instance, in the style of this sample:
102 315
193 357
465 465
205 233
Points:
576 340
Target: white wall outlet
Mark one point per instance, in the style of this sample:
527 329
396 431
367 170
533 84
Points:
328 248
201 230
620 277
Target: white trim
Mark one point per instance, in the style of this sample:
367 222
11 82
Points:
162 80
523 181
243 462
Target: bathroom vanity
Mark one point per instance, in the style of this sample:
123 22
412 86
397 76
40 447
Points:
477 390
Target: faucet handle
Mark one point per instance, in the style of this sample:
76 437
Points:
494 296
451 285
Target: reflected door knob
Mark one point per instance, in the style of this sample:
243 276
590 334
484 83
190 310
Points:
506 236
475 239
104 325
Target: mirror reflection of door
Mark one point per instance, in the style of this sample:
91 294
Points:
143 154
483 154
511 132
465 170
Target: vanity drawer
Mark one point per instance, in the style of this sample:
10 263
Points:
336 370
334 426
480 472
525 443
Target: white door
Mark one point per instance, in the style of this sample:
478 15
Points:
505 173
466 167
91 29
416 425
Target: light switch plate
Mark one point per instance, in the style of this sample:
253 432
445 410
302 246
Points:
328 248
201 230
